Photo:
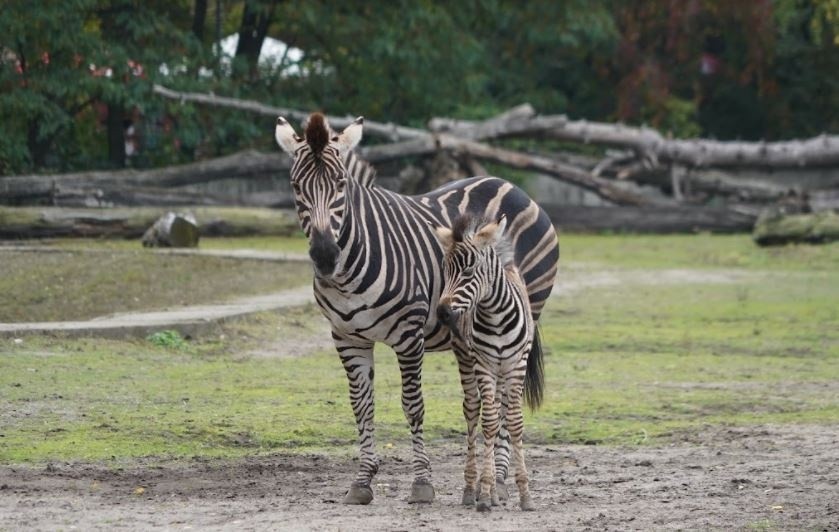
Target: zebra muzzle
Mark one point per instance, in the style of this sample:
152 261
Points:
449 319
324 252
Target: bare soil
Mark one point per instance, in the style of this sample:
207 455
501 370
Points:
757 478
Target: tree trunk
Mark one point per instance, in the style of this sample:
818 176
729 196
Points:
199 17
116 135
672 219
20 223
256 18
649 143
780 229
19 190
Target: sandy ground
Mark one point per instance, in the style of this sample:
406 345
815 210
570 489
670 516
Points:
759 478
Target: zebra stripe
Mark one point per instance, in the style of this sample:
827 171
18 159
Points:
378 270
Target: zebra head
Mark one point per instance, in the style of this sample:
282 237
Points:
319 181
470 265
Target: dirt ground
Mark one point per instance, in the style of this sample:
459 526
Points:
758 478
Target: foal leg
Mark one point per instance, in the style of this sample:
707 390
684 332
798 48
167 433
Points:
515 423
490 422
502 449
471 411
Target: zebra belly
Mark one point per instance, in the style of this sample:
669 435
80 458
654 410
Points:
366 316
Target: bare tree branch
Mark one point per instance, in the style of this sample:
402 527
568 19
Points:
818 151
389 131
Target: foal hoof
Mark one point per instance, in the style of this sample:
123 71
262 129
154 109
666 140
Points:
493 498
501 490
468 497
526 504
421 492
358 494
484 503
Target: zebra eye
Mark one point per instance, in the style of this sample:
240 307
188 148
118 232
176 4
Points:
469 271
296 188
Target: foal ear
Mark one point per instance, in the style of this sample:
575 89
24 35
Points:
285 136
491 234
445 236
350 137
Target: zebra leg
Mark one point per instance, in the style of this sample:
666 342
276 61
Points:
490 423
502 450
471 412
410 353
357 359
515 421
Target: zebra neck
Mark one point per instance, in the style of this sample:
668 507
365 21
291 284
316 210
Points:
357 241
501 297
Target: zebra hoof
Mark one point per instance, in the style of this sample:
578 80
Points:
468 497
526 504
358 494
501 490
484 503
421 492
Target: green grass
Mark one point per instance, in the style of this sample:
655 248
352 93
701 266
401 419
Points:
296 244
75 286
695 251
628 364
624 251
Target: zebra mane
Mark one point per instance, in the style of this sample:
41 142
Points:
467 224
360 170
317 133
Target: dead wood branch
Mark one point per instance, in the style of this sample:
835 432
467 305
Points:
18 190
649 143
392 132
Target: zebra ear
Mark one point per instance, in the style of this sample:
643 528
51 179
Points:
445 236
491 234
350 137
285 136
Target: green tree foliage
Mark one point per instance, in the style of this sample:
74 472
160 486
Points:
65 64
757 69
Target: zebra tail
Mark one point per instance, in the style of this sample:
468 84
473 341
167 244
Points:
534 375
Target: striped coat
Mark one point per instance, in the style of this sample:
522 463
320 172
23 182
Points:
378 271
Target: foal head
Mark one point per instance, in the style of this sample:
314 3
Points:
475 253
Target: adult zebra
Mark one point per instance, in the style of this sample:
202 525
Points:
377 265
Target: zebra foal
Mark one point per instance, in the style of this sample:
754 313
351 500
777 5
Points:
485 304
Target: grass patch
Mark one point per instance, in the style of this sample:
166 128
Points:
76 286
167 338
695 251
606 250
628 364
296 244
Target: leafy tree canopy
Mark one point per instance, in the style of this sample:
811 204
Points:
76 75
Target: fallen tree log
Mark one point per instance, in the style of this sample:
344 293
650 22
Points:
565 172
778 229
648 143
655 219
523 121
49 222
392 132
137 197
16 190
